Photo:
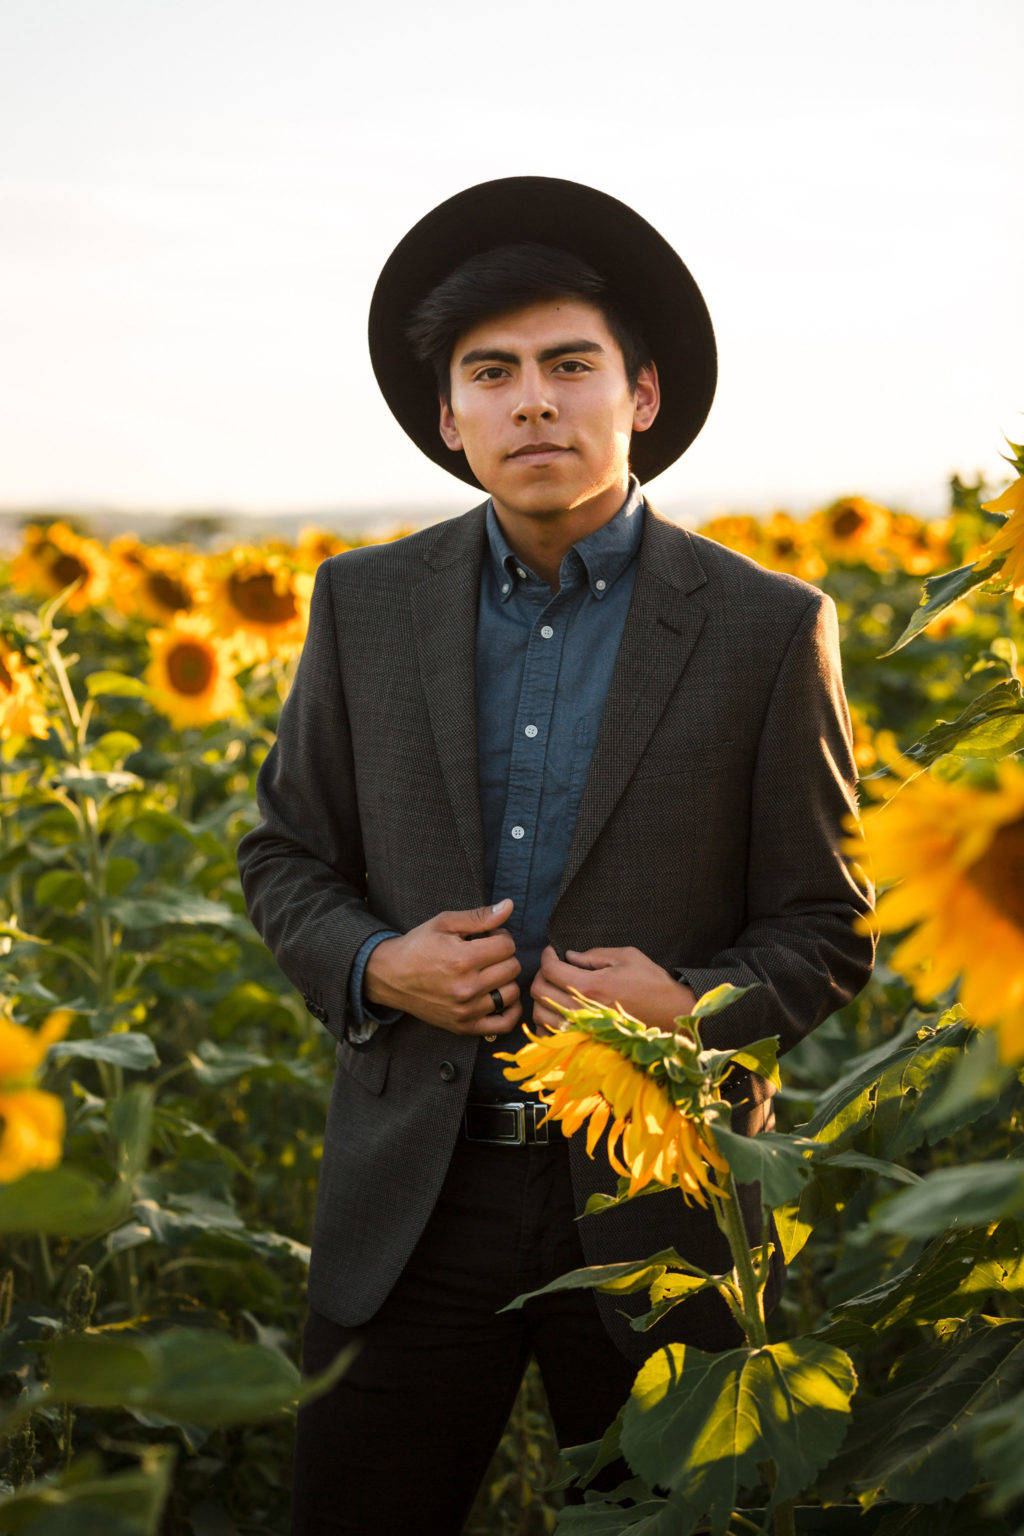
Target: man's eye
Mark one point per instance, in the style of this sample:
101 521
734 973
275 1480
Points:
573 365
491 372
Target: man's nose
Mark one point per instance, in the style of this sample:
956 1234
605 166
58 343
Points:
535 401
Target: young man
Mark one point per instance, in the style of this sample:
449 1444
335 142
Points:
554 743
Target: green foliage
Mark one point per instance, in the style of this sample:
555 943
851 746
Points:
61 1202
973 1196
941 592
778 1163
917 1442
185 1375
703 1426
991 726
119 900
82 1502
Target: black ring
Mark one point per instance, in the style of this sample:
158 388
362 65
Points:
499 1006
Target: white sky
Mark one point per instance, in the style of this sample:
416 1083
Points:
196 197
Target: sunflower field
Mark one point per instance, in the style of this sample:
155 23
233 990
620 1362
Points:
163 1090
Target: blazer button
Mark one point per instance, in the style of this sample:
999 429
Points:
447 1073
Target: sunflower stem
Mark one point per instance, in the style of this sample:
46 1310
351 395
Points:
767 1249
741 1521
751 1293
13 902
67 695
751 1287
47 1262
103 951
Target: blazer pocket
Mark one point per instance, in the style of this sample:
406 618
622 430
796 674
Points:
369 1068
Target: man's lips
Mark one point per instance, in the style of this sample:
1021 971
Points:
538 453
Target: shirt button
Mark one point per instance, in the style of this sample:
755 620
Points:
446 1072
531 731
546 632
518 832
520 573
600 585
506 586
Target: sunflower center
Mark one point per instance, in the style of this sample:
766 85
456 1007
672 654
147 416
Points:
190 667
848 522
67 568
999 873
784 545
168 592
6 680
257 599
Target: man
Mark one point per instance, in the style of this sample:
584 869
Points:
555 743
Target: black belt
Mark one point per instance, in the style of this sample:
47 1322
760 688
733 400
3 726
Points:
511 1124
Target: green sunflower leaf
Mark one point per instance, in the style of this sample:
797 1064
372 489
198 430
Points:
704 1425
941 592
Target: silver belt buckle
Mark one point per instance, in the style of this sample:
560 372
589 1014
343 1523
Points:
518 1136
517 1127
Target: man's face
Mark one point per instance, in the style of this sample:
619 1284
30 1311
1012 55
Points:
541 405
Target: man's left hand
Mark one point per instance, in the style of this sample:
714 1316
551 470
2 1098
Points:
609 976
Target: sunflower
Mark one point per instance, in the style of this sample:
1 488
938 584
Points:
581 1078
21 709
736 530
864 753
52 558
192 672
952 855
31 1121
316 544
787 546
919 545
1009 541
154 582
853 531
261 601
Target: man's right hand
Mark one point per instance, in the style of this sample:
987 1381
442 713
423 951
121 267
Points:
445 970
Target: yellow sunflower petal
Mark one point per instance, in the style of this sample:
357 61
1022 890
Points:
33 1132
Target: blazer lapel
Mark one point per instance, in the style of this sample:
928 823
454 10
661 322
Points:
660 632
444 610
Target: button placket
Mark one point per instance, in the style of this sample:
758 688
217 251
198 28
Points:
533 720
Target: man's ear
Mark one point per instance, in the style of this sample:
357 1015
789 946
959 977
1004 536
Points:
449 430
647 398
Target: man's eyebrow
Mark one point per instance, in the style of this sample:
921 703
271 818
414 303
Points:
499 355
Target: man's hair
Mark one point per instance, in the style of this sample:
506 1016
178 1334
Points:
507 278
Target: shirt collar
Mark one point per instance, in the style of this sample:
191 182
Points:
603 554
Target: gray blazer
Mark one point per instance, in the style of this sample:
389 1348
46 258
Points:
707 837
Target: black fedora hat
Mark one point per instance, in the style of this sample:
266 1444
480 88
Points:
645 276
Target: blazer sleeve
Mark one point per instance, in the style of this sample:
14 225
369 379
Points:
302 866
802 942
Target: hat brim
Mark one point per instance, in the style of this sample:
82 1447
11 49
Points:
645 275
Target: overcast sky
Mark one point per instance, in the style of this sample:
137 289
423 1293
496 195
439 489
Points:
196 197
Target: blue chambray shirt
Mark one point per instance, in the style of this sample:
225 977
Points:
543 666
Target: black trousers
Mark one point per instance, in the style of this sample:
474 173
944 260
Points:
400 1445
